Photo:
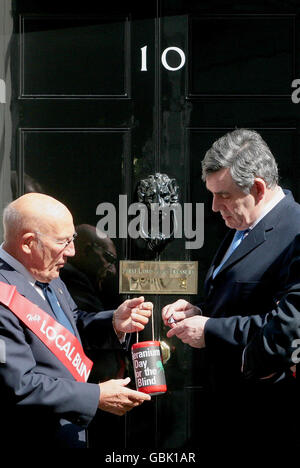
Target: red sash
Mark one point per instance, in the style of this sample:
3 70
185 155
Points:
62 343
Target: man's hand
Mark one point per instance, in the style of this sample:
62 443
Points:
117 399
179 310
132 315
190 331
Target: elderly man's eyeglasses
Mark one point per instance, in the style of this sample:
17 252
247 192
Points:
62 244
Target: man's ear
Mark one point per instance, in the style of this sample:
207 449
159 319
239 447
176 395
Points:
258 189
27 242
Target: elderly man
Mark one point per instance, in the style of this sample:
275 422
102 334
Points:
248 281
45 400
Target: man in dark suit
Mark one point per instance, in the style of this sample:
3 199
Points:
248 281
41 401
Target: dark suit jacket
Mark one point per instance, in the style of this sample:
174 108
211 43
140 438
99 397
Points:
40 400
276 346
244 295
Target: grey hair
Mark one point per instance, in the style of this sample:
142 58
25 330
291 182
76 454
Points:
247 156
12 221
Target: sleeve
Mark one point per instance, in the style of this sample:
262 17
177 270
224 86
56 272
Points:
235 330
96 328
276 346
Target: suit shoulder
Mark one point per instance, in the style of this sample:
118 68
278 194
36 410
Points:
286 216
5 271
292 215
5 267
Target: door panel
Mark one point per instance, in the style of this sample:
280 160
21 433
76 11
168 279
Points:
54 63
68 163
236 54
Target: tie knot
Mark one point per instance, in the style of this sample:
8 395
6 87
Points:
42 285
241 234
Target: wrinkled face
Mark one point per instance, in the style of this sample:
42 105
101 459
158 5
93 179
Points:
239 210
51 247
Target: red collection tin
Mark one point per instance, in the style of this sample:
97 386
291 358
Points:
148 368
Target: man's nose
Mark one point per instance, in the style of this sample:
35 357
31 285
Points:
215 205
70 250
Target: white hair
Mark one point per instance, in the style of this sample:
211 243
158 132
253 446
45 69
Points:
12 221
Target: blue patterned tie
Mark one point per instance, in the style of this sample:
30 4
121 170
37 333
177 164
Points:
55 306
237 239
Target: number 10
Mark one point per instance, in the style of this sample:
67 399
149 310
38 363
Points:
163 58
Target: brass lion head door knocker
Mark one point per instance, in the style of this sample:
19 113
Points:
159 195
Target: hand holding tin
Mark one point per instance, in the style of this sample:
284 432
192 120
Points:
117 399
132 316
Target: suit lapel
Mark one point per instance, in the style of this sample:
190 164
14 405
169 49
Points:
64 305
255 238
258 234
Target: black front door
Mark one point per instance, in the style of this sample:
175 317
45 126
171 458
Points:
104 96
